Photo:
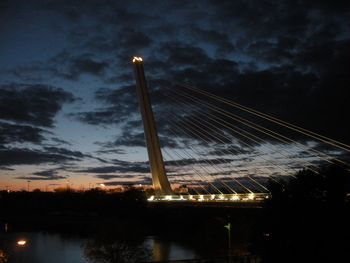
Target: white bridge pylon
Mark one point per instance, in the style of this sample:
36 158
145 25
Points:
160 180
163 191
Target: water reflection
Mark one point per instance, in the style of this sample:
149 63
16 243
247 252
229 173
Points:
3 256
116 242
115 251
44 247
164 250
40 248
161 250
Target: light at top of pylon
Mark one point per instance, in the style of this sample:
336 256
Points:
136 59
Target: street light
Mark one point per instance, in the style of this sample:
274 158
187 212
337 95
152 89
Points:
228 226
21 242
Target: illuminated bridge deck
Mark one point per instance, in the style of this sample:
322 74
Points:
230 198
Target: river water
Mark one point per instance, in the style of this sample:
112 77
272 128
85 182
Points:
116 244
44 247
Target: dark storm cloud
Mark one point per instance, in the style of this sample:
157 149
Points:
49 155
108 151
230 149
3 168
130 140
40 178
272 18
183 54
90 66
213 161
10 133
133 41
112 176
43 175
64 65
32 104
119 106
71 66
17 156
107 176
219 40
289 48
126 168
131 182
186 62
58 141
64 152
70 153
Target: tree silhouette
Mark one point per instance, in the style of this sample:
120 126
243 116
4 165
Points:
308 216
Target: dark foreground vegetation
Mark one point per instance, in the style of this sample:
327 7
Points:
307 220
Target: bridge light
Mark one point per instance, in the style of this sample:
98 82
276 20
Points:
235 198
168 197
137 59
251 196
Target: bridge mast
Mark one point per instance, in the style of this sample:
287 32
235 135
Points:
159 178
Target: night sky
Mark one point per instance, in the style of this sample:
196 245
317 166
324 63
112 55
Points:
68 107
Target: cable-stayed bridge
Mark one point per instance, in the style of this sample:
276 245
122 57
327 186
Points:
218 150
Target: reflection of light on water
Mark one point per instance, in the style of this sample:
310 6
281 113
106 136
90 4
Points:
44 247
3 256
164 250
21 242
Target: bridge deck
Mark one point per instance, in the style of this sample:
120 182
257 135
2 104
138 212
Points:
236 198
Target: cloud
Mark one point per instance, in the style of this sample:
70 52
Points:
134 181
64 65
43 175
17 156
108 151
188 161
3 168
12 133
89 66
40 178
218 40
115 183
120 105
32 104
70 153
124 167
64 152
107 176
71 66
48 155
